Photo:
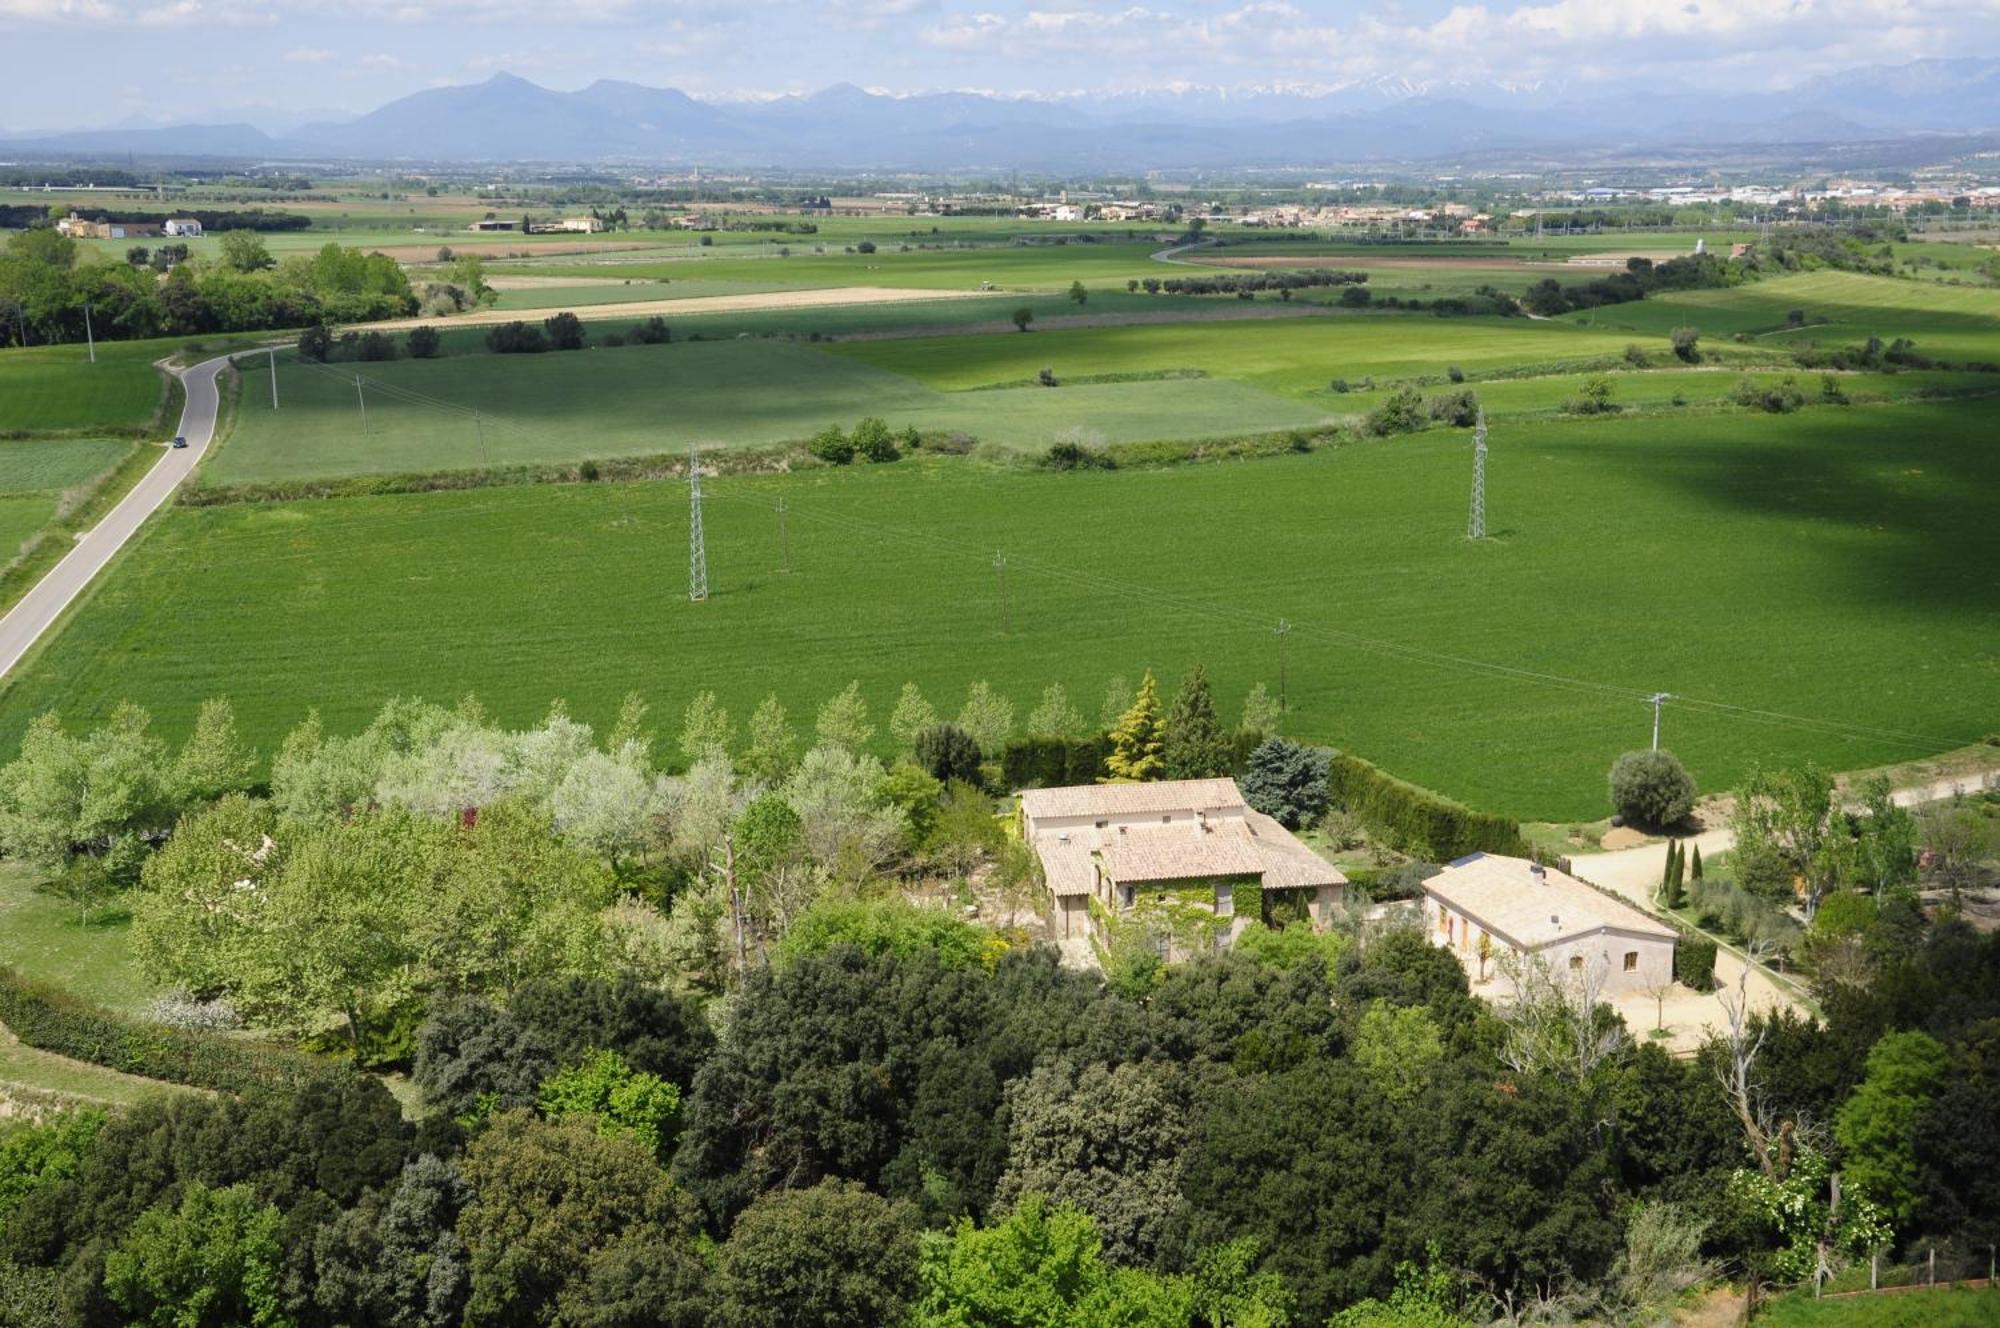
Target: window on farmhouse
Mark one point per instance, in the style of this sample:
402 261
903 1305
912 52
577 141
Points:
1631 961
1576 963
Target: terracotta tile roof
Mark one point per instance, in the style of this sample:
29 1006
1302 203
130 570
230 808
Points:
1107 800
1183 852
1066 864
1288 863
1504 896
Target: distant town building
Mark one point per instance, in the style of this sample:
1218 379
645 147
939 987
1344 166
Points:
185 227
83 228
494 224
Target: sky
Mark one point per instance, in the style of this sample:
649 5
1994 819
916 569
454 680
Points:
91 63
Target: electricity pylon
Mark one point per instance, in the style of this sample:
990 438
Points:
1475 522
697 546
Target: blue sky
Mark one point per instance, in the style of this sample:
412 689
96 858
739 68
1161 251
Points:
82 63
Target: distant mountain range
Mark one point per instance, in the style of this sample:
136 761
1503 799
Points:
510 119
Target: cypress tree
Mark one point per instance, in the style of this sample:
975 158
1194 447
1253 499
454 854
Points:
1193 744
1695 873
1135 739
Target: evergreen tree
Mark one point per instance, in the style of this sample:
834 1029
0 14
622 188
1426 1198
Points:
1193 745
1135 739
1694 873
1667 877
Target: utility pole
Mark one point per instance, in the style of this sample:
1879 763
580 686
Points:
1283 632
272 352
1000 576
1658 699
479 427
88 335
1475 523
784 539
362 397
697 545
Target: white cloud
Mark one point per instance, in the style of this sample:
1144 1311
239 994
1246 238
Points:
308 55
57 11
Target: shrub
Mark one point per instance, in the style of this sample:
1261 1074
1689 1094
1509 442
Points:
1401 413
1651 789
865 247
565 331
1071 454
1830 391
1340 385
1694 962
423 343
1354 297
1047 376
516 338
832 445
376 346
652 332
873 440
316 343
1687 344
1457 409
1455 374
1023 316
1781 398
53 1021
1051 762
948 752
1594 399
1635 355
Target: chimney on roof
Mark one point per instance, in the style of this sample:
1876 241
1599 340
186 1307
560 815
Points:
1539 872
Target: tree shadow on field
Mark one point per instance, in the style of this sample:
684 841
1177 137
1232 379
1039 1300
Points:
1925 477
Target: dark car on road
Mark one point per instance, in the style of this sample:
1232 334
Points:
180 441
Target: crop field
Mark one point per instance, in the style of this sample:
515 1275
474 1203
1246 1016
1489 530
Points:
1834 564
1956 322
33 475
49 389
639 400
1023 266
1293 356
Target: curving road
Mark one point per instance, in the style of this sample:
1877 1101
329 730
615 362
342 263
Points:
38 610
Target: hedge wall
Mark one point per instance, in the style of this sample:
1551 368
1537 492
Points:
1415 820
57 1022
1694 961
1054 762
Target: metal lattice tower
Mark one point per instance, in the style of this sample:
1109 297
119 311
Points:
697 546
1475 522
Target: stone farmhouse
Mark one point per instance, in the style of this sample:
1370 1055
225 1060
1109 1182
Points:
1196 840
1530 910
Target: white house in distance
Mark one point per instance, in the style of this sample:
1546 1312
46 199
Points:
1193 838
187 227
1529 909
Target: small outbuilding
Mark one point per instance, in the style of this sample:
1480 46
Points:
1523 908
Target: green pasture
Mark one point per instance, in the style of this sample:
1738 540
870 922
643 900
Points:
1293 356
1949 1307
549 298
35 472
1653 389
50 940
638 400
1956 322
1833 565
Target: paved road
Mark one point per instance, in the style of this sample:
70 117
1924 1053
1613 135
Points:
38 610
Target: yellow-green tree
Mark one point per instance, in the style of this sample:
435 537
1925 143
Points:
1137 753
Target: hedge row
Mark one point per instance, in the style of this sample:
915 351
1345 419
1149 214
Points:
1694 961
53 1021
1415 820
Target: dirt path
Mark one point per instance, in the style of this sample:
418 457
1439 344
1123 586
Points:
830 297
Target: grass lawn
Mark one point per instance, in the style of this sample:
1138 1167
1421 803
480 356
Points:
25 1067
1834 564
1947 1308
637 400
46 939
1295 357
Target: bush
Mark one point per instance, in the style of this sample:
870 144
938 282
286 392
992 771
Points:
516 338
1635 355
1053 762
1354 297
1781 398
1595 399
423 343
865 247
1687 344
947 752
1401 413
1455 374
831 445
1460 410
652 332
1694 962
565 331
1069 454
54 1021
376 347
316 343
873 440
1047 376
1415 820
1651 789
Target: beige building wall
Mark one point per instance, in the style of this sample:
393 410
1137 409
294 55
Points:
1631 962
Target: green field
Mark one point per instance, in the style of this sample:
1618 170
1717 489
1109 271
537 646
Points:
639 400
55 388
1047 266
46 939
1948 1308
1952 322
1295 357
1833 564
